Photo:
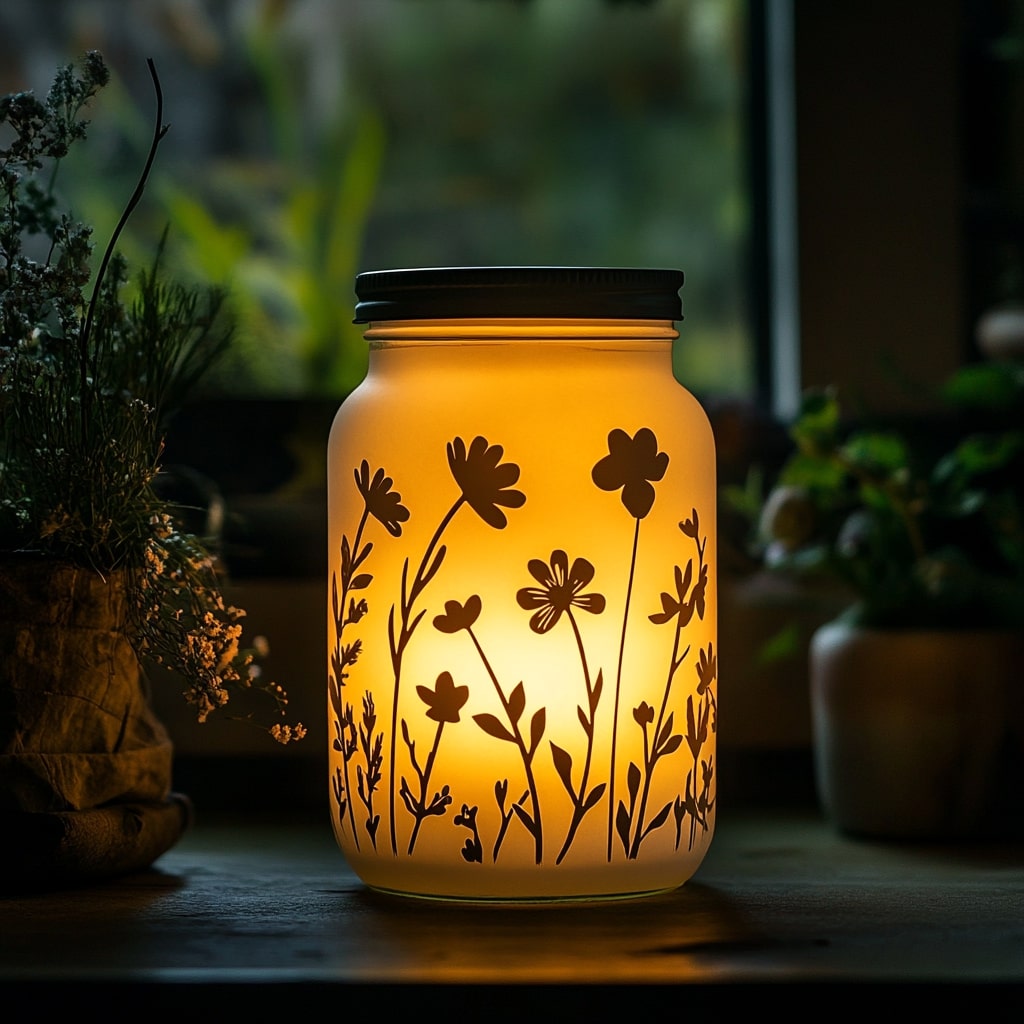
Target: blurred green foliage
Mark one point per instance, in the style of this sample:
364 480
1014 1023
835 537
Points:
927 528
384 133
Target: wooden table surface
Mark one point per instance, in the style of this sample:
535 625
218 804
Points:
266 916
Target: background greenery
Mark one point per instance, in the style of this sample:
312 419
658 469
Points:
313 139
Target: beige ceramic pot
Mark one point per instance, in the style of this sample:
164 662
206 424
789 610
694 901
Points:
85 766
918 734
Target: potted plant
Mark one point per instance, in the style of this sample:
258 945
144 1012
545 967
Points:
917 688
101 582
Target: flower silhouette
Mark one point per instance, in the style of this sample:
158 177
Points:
382 503
631 464
485 481
458 616
559 590
445 701
643 715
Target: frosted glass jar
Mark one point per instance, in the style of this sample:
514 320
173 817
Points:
522 618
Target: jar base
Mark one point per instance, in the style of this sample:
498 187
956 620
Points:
523 901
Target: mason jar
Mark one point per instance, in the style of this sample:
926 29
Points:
522 618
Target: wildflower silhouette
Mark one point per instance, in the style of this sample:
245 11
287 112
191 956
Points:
444 703
632 465
699 803
485 481
485 485
559 590
371 743
689 599
459 617
557 595
384 505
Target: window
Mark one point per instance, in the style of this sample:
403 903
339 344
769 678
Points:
313 139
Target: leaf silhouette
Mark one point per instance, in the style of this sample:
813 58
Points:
673 745
665 732
434 565
692 739
622 824
659 819
633 780
594 795
491 726
584 721
361 582
595 695
683 581
563 765
525 817
537 728
516 703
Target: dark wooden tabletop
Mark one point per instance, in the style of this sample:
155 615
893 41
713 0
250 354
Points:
268 914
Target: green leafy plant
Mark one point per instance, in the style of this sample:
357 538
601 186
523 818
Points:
925 527
91 369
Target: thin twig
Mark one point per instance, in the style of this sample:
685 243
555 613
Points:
159 131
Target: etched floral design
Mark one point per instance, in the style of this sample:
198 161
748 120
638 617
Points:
559 590
701 720
485 485
472 849
486 482
632 463
659 739
384 504
555 591
462 616
458 616
444 702
707 670
368 778
686 601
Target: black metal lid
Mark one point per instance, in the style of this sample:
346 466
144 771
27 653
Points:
442 293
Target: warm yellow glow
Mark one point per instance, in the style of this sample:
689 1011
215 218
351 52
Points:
522 558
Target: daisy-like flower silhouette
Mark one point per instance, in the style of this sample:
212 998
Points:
631 464
559 590
384 504
485 481
446 700
458 616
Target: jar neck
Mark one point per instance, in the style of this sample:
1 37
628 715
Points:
518 329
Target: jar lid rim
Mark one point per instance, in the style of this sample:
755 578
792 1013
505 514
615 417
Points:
432 293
